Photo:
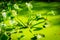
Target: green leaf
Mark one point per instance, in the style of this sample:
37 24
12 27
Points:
30 31
4 37
1 18
10 38
9 14
19 38
16 6
19 24
12 17
20 32
39 18
23 27
46 23
22 36
34 38
43 35
37 29
37 23
44 26
8 33
15 32
9 29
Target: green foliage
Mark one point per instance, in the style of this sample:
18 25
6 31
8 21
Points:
4 37
11 15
